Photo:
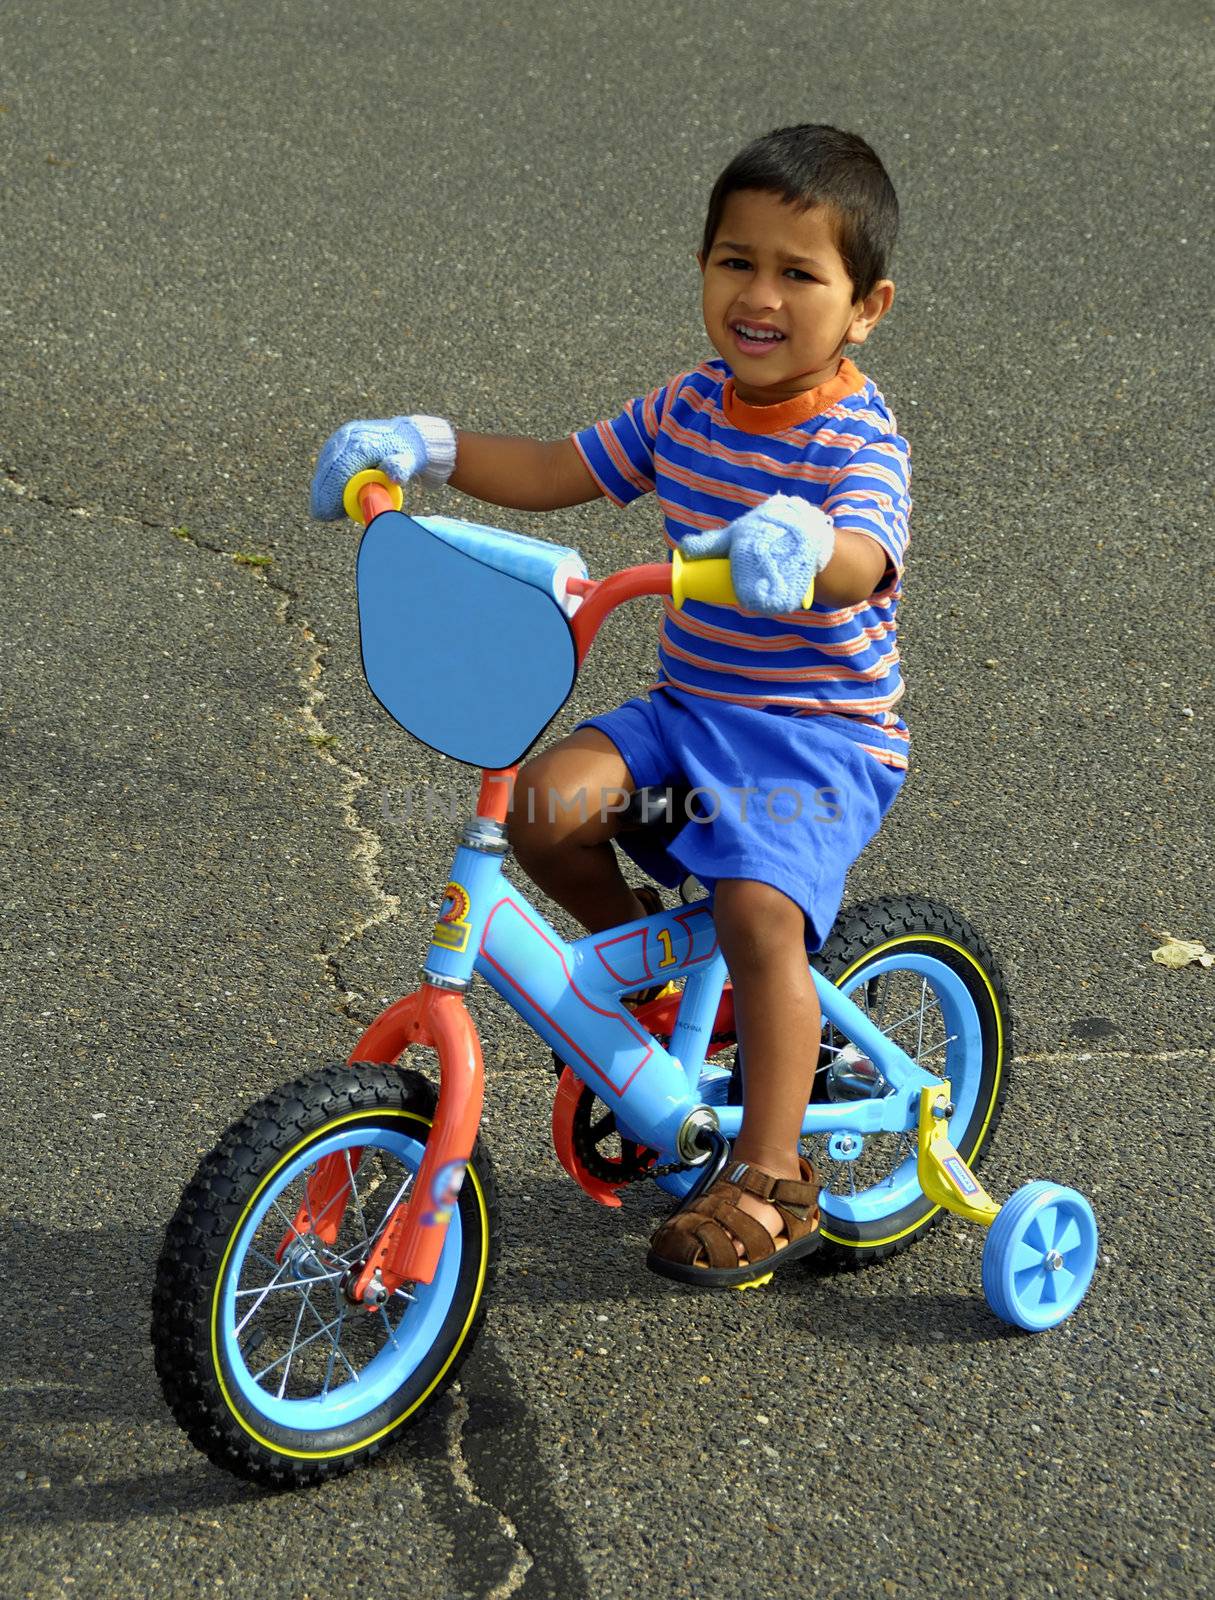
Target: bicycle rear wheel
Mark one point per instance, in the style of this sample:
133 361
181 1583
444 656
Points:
929 981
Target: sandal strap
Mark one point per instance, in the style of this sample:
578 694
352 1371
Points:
723 1213
797 1195
698 1239
703 1233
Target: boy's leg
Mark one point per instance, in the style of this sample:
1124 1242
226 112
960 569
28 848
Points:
561 828
779 1019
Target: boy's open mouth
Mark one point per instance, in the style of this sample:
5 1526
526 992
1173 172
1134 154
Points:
755 337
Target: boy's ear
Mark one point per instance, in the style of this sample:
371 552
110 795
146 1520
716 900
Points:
700 260
867 313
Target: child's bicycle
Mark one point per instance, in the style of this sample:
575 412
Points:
326 1271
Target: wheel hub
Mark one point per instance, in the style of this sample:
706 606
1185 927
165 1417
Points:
302 1257
853 1076
375 1294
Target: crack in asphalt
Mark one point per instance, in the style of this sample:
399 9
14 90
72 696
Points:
468 1414
368 847
456 1423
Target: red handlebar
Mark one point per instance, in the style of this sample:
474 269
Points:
598 597
374 498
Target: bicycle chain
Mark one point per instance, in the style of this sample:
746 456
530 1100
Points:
629 1168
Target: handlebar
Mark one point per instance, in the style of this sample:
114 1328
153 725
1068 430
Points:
369 493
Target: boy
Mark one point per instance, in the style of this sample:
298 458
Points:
781 454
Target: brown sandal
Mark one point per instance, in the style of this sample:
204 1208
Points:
696 1245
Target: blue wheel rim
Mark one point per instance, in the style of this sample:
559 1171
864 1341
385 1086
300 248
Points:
409 1327
1039 1256
960 1060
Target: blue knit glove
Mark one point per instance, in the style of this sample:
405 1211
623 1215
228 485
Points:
775 550
401 447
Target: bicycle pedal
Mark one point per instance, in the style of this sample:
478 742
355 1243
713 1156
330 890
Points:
645 997
755 1283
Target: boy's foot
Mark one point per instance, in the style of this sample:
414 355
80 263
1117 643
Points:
715 1240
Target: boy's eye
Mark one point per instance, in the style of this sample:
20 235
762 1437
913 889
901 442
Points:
741 264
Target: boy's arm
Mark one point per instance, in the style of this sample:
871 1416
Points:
780 545
525 474
854 571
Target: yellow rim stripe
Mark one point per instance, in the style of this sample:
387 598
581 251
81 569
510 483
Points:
345 1450
870 955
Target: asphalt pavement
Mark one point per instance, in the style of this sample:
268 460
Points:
225 229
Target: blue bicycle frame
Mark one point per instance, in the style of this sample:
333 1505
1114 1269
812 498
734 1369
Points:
570 994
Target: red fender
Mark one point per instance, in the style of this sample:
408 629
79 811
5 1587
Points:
659 1018
569 1092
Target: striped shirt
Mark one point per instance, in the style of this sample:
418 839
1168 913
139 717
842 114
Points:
709 457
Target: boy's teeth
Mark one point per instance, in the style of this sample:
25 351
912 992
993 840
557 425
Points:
758 333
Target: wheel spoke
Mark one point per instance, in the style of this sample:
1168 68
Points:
1068 1234
884 992
288 1283
354 1194
337 1339
1026 1257
303 1345
282 1388
919 1043
1041 1230
290 1221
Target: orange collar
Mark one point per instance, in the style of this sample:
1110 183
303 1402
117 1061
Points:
791 413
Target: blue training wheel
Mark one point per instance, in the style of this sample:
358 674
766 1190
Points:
1039 1256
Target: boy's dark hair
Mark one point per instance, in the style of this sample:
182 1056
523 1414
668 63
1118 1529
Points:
811 165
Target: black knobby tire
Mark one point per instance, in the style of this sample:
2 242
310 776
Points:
378 1118
909 926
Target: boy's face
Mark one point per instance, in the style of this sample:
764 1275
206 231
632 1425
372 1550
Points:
779 305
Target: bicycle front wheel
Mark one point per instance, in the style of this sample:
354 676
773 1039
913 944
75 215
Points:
265 1362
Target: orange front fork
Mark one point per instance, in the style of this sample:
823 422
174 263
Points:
409 1247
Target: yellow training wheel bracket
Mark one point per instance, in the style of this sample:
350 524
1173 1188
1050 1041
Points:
350 494
944 1176
709 580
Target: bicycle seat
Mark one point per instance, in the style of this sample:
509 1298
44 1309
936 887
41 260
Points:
663 810
651 821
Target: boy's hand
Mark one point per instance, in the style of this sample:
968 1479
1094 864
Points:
775 551
401 447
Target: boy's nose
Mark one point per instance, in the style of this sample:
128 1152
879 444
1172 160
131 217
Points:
761 294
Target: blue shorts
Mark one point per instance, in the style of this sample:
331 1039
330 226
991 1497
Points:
784 800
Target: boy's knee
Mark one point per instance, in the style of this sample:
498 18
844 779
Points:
525 819
542 814
755 922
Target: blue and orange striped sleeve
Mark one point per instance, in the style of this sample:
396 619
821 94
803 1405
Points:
870 494
619 454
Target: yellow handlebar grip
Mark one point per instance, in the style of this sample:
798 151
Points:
710 581
350 494
701 580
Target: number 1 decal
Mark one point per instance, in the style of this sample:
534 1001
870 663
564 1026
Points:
668 959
